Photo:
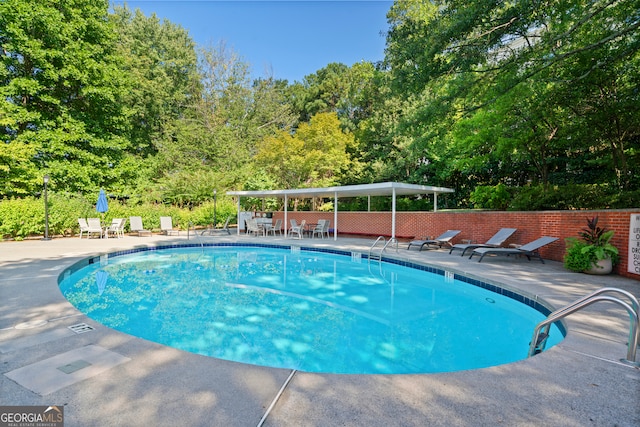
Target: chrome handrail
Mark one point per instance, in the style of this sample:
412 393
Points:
389 242
374 245
195 234
540 336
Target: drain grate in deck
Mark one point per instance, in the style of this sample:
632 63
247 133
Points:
72 367
81 328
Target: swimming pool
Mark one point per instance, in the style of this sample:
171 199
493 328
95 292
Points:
306 309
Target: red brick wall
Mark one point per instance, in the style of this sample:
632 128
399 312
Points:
479 226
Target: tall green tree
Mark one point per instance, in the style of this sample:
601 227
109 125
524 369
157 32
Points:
346 91
217 137
61 109
316 155
537 79
161 64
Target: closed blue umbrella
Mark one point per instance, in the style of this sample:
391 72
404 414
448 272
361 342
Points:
102 206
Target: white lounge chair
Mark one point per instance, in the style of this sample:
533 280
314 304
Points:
93 226
494 242
166 226
135 224
84 227
224 229
116 228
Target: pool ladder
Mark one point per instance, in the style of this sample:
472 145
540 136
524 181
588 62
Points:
195 234
381 239
541 331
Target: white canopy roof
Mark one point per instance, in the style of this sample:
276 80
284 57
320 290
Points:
378 189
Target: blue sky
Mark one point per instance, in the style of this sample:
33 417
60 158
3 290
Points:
288 39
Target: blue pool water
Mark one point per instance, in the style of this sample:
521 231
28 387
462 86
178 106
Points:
305 310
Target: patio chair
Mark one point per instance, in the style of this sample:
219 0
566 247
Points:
325 229
443 239
135 224
224 229
319 229
494 242
292 223
253 228
116 228
166 226
94 226
276 228
529 250
298 229
84 227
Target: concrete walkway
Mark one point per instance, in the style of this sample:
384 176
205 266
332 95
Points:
108 378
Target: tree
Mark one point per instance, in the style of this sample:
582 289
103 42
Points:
162 66
218 134
347 91
315 156
236 112
61 107
536 81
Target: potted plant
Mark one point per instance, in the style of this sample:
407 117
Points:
591 253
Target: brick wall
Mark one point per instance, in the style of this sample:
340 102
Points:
479 226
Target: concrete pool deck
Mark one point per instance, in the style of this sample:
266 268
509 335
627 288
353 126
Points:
104 377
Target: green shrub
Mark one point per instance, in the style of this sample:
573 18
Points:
574 259
497 197
202 215
20 218
593 245
572 196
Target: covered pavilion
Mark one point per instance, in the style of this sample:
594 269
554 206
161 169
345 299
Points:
392 189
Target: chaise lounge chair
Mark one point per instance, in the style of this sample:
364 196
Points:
166 226
494 242
224 229
443 239
135 224
529 250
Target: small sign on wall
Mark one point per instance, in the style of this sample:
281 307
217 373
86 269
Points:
634 244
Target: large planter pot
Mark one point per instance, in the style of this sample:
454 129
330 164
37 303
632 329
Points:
603 266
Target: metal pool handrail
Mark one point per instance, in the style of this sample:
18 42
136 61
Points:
539 339
391 241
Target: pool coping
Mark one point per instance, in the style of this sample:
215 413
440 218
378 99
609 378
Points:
169 387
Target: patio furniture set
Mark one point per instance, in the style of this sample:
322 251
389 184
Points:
92 226
296 230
